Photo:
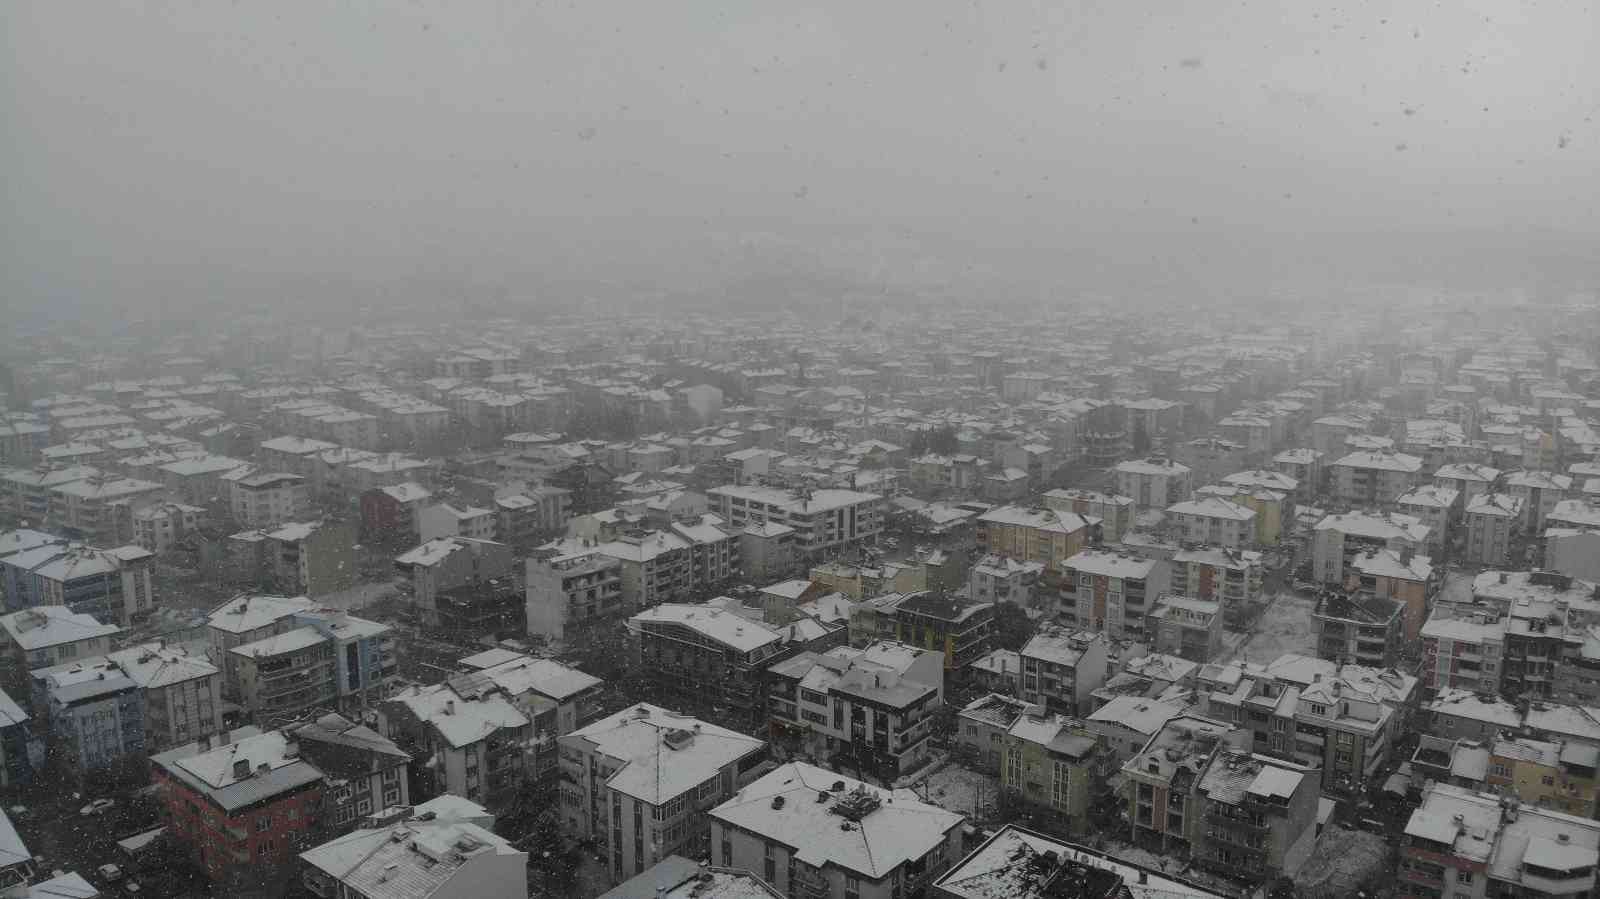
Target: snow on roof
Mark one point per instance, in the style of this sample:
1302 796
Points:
460 721
242 772
1152 467
1271 480
1044 519
152 665
243 614
413 859
407 492
546 677
300 446
1212 507
1499 505
1430 496
1144 716
1583 512
1466 471
730 630
1111 564
886 828
1379 526
820 500
1392 564
1060 646
664 754
1016 864
278 644
1465 704
40 627
1384 461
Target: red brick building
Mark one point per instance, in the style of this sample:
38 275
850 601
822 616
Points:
244 808
389 514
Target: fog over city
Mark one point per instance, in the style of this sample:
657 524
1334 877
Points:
217 153
472 449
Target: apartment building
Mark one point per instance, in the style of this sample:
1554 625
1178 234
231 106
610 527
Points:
89 509
996 578
1111 592
164 526
1305 466
1259 816
702 657
824 521
1214 520
642 783
1494 521
1062 668
180 694
1436 507
1057 767
1020 863
958 630
1115 511
933 475
50 635
1125 723
475 736
366 772
1231 577
879 844
247 619
1469 479
1154 483
869 710
1401 576
1461 842
390 514
1045 536
558 699
1160 781
419 858
568 590
93 714
531 515
1374 479
450 562
1364 629
269 499
309 558
110 584
1539 492
285 674
981 728
1185 627
1338 539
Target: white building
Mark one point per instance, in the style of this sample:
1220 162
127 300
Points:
52 635
811 832
1154 483
1337 539
1111 591
1492 520
417 859
269 499
1470 478
1572 551
640 783
1214 520
997 578
1539 491
1374 478
823 520
1434 506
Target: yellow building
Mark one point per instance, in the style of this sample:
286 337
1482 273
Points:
1052 763
1553 775
1270 506
864 583
1046 536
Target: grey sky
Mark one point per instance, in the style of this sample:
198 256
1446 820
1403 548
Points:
288 136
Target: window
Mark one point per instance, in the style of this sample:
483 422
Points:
727 850
391 797
263 824
771 863
852 887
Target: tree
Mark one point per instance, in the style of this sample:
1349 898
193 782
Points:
918 445
944 441
1141 439
1012 627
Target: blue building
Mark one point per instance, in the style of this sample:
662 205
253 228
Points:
94 714
363 654
19 752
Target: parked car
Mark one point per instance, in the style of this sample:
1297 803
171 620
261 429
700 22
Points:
109 873
97 807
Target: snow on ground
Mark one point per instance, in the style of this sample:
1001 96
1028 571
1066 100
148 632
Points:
1343 861
959 790
1285 626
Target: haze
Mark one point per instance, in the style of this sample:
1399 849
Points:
205 152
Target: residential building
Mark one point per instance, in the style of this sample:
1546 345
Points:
1463 653
1185 627
1305 466
558 699
1434 506
390 514
1573 552
419 858
89 509
811 832
1465 714
1215 521
866 710
568 590
933 475
676 877
110 584
981 728
1494 520
449 562
50 635
475 738
1125 724
20 750
492 607
960 630
163 527
641 784
93 713
533 515
1232 577
285 674
269 499
246 619
366 772
312 558
1374 478
363 653
824 521
1259 814
1470 479
1539 492
1021 864
180 694
1045 536
1582 513
1161 780
1056 767
1111 592
1154 483
1116 512
1361 628
1547 774
1061 668
1461 842
702 658
444 520
1402 576
996 578
239 808
999 670
1339 538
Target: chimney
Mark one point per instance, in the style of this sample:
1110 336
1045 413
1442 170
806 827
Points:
241 769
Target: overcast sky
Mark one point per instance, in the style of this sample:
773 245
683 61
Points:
198 140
